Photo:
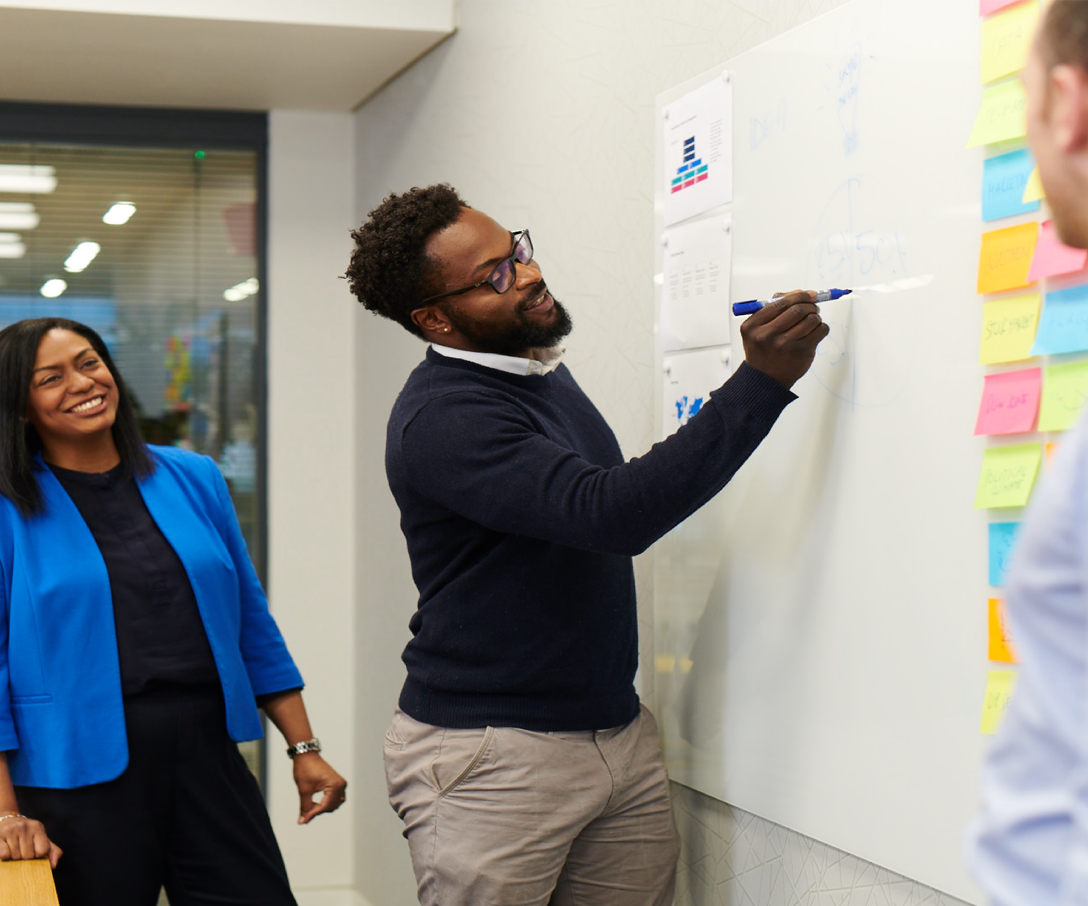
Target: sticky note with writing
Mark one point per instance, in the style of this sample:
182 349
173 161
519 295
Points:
1052 257
1005 257
1008 329
1004 180
1000 642
1010 402
1065 389
1063 325
1008 475
1002 539
1006 40
1001 114
999 688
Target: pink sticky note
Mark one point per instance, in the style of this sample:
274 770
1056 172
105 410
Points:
985 7
1010 402
1052 257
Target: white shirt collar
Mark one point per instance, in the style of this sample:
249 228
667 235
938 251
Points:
544 361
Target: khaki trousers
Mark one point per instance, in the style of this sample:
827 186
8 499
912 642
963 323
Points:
500 816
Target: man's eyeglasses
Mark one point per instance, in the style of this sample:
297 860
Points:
504 273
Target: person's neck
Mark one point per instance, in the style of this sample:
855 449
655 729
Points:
93 458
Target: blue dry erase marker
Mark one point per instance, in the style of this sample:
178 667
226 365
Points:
754 305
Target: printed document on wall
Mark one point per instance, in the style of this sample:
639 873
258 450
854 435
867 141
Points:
695 294
699 150
689 378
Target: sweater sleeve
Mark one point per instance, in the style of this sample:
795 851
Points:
484 459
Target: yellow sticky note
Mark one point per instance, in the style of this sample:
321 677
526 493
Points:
1008 329
1034 191
1000 646
1008 475
1065 389
1006 40
1005 257
1001 116
999 688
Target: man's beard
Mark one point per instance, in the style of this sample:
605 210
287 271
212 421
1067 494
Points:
517 338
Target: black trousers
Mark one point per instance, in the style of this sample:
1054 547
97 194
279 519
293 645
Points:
186 815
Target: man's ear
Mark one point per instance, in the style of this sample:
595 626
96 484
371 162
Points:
430 319
1068 114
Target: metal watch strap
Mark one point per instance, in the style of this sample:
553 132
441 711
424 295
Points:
301 748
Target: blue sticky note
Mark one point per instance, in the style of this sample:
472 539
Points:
1002 537
1003 180
1063 326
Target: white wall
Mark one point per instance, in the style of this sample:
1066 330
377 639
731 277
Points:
311 490
541 114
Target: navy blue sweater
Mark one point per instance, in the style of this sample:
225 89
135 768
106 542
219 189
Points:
521 519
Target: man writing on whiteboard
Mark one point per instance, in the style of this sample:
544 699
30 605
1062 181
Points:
519 758
1029 846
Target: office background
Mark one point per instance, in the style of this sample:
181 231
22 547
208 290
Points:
541 114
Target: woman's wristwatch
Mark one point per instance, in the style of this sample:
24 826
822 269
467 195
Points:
301 748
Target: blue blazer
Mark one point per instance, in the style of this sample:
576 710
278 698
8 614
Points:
62 720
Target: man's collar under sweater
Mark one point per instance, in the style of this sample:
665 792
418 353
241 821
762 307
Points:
547 359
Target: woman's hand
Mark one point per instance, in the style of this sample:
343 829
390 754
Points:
25 838
315 775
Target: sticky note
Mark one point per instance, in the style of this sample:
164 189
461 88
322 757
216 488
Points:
1063 325
999 689
1050 449
1065 389
1001 115
1034 190
1053 258
1000 642
1008 475
1008 329
1004 180
1010 402
1006 40
1002 539
1005 257
985 7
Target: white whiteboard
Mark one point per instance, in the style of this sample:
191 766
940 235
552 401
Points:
820 628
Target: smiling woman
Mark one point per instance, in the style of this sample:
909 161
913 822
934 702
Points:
132 628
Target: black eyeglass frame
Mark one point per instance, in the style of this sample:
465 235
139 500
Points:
511 259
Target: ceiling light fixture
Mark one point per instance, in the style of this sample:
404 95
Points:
11 245
242 290
82 255
18 215
53 287
27 178
119 213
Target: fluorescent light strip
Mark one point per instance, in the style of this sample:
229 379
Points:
27 178
18 215
53 287
242 290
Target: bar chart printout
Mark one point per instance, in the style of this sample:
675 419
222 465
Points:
699 150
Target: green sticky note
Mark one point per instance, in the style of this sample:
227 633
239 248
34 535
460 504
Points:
1065 388
1008 475
1001 116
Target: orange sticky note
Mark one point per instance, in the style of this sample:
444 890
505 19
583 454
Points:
1000 642
1052 257
1050 450
1005 257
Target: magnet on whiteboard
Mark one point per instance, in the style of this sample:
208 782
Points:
727 76
725 357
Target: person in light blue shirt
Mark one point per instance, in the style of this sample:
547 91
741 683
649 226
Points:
1029 845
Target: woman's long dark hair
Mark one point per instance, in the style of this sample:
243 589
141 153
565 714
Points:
19 440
